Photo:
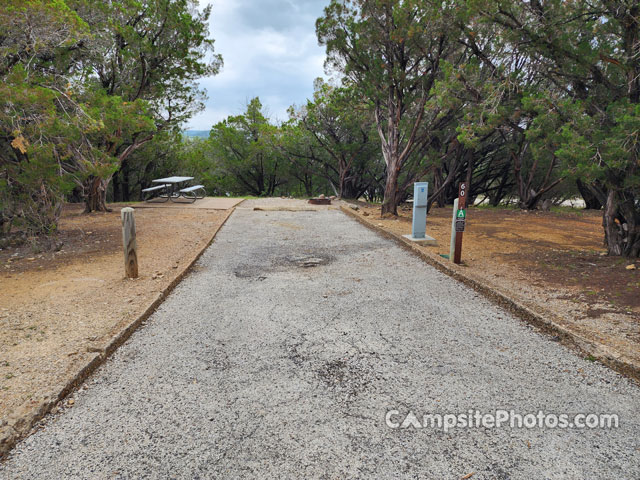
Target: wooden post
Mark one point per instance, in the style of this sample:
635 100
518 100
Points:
462 203
129 243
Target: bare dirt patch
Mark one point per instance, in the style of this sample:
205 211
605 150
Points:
553 262
58 308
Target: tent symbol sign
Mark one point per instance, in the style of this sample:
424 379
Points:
461 217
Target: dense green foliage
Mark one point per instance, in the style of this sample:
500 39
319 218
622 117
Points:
537 92
84 86
529 102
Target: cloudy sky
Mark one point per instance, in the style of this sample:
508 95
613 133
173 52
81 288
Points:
270 50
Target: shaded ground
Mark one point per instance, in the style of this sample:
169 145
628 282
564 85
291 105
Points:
553 262
59 307
281 354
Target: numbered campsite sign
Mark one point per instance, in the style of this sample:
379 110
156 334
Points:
462 196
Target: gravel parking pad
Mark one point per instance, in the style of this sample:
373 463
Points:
283 351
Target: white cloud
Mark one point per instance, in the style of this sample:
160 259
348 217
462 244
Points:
270 50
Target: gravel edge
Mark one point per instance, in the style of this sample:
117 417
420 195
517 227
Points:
545 323
19 424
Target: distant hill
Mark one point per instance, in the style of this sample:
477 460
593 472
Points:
197 133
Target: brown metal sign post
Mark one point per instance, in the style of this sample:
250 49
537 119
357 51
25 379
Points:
461 217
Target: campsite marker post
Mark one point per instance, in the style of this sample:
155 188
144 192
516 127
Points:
461 217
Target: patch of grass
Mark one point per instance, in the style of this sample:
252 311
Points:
590 358
553 266
486 206
9 376
568 210
123 204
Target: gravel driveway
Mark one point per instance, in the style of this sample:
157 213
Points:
281 355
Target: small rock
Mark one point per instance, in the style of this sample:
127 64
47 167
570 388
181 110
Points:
333 197
71 401
354 207
631 267
365 214
31 259
311 262
322 197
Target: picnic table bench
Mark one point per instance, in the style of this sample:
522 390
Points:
169 189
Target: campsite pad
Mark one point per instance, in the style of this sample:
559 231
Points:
207 203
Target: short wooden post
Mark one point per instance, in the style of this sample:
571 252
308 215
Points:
129 242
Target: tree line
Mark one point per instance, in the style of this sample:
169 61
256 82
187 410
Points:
85 85
527 101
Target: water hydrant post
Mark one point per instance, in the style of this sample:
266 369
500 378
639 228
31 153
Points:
419 222
420 197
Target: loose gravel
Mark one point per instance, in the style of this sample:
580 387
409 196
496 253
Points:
283 351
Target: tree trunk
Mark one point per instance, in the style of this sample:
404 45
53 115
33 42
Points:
528 197
5 225
438 189
591 198
469 179
124 173
390 200
529 200
496 198
308 185
95 194
115 183
621 223
350 187
342 182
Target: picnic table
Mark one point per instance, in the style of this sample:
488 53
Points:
169 188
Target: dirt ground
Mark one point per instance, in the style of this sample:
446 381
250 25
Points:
554 262
58 307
